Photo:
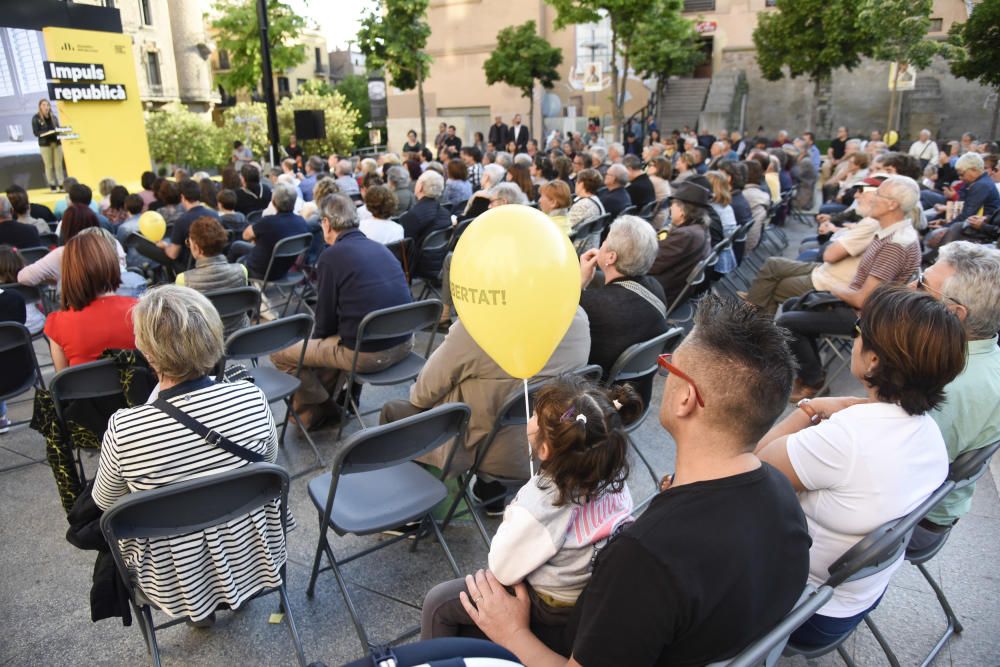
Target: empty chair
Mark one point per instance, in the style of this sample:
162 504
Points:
374 485
235 305
287 250
212 507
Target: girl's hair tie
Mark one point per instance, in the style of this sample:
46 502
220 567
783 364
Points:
581 418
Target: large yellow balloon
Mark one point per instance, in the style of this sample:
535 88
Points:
152 225
515 281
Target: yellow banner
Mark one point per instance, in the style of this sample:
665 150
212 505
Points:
108 137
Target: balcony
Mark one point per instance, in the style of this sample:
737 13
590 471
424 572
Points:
699 5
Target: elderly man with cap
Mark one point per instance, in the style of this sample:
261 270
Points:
685 241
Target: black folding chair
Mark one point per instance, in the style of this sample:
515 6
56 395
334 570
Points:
457 232
289 248
32 254
649 211
261 340
155 253
190 506
374 485
395 322
15 339
254 216
682 310
401 250
49 239
434 243
233 305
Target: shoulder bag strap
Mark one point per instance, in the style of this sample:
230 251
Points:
210 436
647 296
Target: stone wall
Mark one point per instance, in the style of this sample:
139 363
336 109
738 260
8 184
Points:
859 99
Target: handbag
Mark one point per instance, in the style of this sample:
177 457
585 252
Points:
814 301
210 436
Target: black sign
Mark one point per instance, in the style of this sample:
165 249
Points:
87 92
73 71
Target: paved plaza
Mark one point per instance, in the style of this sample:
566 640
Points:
46 581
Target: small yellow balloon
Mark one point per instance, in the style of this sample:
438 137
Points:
152 225
515 281
891 137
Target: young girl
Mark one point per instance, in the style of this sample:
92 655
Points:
565 514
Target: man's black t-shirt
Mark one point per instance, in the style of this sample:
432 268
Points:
254 198
839 147
707 569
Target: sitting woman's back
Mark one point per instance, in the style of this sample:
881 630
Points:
207 239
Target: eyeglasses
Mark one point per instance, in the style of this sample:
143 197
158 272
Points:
857 328
922 285
666 368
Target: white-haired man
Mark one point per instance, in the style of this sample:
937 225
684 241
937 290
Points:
345 178
615 197
978 196
426 216
924 149
892 257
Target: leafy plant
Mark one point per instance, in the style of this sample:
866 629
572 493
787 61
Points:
975 51
179 137
354 89
236 32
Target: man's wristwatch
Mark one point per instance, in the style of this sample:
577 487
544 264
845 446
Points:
814 417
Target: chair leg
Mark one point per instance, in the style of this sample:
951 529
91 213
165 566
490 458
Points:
320 545
444 546
845 656
954 625
154 650
287 609
320 463
645 461
355 618
880 638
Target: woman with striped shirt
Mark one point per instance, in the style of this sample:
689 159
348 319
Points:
180 333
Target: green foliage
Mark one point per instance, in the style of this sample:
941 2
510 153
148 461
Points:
316 87
354 89
898 30
811 38
340 116
521 57
394 40
246 122
975 53
236 31
179 137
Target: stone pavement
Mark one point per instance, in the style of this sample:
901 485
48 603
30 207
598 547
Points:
46 581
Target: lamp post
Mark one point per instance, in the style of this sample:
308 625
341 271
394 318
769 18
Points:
274 148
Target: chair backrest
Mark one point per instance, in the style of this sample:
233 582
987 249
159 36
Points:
49 238
436 241
628 210
970 466
291 246
639 360
15 336
742 231
694 278
235 301
404 440
96 379
650 209
766 650
399 321
254 216
457 232
148 249
30 293
883 546
33 254
263 339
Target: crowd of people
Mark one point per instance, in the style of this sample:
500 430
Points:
904 262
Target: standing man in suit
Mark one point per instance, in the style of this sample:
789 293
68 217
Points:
498 133
518 134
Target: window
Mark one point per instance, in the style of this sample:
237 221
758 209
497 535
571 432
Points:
937 25
144 14
770 3
299 83
223 59
319 59
283 86
699 5
153 69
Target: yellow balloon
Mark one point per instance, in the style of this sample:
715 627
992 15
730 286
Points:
891 137
152 225
515 281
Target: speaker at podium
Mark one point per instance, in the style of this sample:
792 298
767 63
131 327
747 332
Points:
310 124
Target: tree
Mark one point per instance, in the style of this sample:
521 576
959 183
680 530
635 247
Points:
899 34
354 89
812 38
519 59
976 51
639 29
181 138
236 33
393 40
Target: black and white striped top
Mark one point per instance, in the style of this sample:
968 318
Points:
145 448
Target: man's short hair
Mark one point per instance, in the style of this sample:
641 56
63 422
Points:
432 184
736 171
398 177
227 199
975 284
598 155
134 204
903 163
5 210
619 173
209 235
315 164
901 189
744 369
504 159
345 168
80 194
509 193
147 179
283 197
970 161
19 202
190 190
522 159
632 162
250 174
634 241
339 211
472 152
591 180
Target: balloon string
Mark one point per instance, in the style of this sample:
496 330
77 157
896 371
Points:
527 412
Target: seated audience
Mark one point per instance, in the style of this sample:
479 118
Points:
685 242
554 201
11 263
345 178
722 199
427 216
381 205
21 210
587 205
630 308
48 269
457 188
229 217
207 240
176 247
259 239
115 211
667 591
180 334
398 179
252 194
892 257
170 195
93 318
907 348
547 539
507 193
130 225
614 197
16 234
35 210
640 187
324 186
314 171
966 278
758 196
493 175
520 175
355 276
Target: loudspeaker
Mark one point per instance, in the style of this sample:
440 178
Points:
310 124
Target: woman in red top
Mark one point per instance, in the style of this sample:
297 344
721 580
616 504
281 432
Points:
93 318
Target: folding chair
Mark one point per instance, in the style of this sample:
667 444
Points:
435 242
636 362
254 216
290 248
965 470
511 413
374 485
767 650
457 232
15 338
649 211
838 358
261 340
234 302
394 322
153 252
49 239
91 381
401 250
32 254
695 279
190 506
877 551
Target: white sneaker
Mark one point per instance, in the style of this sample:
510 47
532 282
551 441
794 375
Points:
4 424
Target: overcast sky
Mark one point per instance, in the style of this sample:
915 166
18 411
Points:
338 19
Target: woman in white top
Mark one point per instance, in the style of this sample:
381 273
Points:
587 205
381 204
858 463
180 333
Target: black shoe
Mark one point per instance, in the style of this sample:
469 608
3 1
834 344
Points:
491 495
356 388
54 188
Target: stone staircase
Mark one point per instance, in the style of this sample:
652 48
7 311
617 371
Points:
681 101
724 102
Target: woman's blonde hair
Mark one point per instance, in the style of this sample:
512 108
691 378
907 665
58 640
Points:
179 331
721 194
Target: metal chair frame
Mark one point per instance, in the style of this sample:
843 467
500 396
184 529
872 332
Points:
290 247
435 241
13 336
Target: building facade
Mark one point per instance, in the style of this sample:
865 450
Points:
314 67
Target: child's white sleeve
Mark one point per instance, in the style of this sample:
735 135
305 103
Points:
522 545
